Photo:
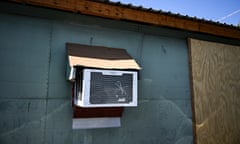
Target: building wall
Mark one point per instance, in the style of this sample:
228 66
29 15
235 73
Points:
35 97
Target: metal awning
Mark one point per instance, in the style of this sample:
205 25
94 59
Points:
100 57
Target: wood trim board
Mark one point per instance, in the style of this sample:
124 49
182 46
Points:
121 12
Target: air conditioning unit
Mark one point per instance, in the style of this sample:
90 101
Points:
106 88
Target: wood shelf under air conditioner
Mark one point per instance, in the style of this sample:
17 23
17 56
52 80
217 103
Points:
79 112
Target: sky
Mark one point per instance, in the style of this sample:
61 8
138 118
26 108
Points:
224 11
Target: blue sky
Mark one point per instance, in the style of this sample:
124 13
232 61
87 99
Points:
224 11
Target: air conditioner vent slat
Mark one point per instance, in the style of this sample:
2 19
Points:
110 88
98 88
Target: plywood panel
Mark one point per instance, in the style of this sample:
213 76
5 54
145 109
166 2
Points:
216 90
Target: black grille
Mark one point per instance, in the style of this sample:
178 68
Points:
110 89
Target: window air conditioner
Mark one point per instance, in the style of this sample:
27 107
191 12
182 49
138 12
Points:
106 88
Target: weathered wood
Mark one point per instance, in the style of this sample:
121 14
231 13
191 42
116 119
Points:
216 90
137 15
79 112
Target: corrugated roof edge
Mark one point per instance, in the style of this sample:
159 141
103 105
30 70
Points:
127 12
141 8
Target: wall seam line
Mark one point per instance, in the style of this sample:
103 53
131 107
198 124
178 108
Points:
48 76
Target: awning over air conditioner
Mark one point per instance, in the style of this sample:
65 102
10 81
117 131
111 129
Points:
100 57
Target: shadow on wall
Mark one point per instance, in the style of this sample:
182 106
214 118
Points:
159 121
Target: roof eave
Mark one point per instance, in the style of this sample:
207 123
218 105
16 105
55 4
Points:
140 15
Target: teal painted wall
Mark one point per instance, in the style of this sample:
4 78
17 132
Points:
35 98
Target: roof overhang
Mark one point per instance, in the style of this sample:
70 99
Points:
123 12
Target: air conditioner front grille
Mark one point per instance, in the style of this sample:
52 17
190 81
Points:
111 89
